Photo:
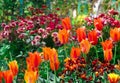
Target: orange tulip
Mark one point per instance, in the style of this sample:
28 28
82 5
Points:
108 55
13 67
8 76
115 34
46 52
85 46
1 76
107 44
63 36
30 76
66 23
92 37
98 24
75 53
33 61
54 61
113 78
81 34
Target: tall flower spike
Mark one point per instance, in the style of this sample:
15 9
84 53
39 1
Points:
108 54
66 23
92 37
113 78
13 67
98 24
81 34
85 46
30 76
8 76
115 34
33 61
107 44
63 36
54 61
75 53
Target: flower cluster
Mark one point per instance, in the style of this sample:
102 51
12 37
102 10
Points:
33 29
106 19
75 66
99 68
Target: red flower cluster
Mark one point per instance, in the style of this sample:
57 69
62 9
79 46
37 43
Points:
40 24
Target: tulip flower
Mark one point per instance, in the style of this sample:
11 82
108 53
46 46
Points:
75 53
98 24
8 76
108 54
33 61
54 61
107 48
1 76
107 44
30 76
63 36
92 37
13 67
66 23
81 34
115 34
113 78
85 46
46 52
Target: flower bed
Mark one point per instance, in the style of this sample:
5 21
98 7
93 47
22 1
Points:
59 52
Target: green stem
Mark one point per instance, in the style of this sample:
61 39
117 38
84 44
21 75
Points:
54 76
115 53
10 56
47 73
72 43
96 51
102 38
84 55
65 50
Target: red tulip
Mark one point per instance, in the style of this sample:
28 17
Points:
54 61
13 67
8 76
113 78
107 44
46 52
1 76
66 23
98 24
33 61
63 36
81 34
30 76
75 53
115 34
108 55
85 46
92 37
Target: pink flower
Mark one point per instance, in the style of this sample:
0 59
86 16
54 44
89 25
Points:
3 24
